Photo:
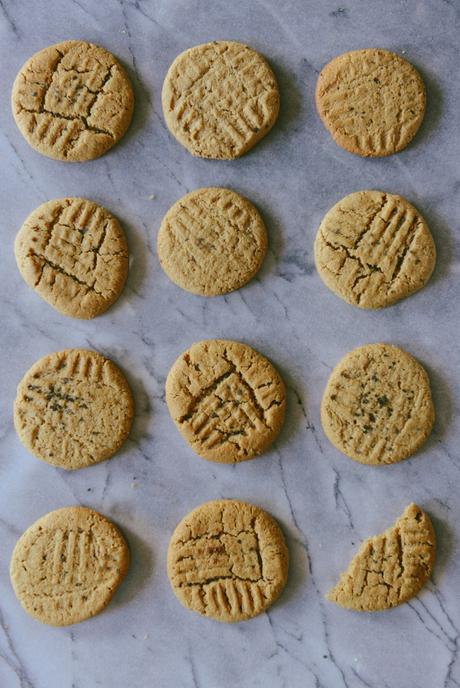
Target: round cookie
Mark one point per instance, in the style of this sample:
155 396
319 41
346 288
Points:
73 253
377 407
226 400
219 99
211 241
374 248
73 408
389 568
66 566
371 101
72 101
227 560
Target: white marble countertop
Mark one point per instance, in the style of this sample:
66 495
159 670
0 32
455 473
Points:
325 503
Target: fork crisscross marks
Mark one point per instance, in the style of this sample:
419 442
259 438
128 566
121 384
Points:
377 406
226 400
74 254
371 101
66 566
219 99
391 567
227 560
211 241
72 101
374 248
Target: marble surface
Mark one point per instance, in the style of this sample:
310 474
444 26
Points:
326 503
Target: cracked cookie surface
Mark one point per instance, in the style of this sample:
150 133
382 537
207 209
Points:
371 101
226 400
227 560
74 254
66 566
219 99
73 408
377 406
389 568
211 241
72 101
374 248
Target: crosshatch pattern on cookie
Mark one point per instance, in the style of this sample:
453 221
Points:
389 568
219 99
74 254
227 560
226 399
72 101
211 241
371 101
374 248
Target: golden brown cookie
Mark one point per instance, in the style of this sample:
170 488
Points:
219 99
66 567
72 101
211 241
371 101
227 400
389 568
73 408
74 254
227 560
374 248
377 407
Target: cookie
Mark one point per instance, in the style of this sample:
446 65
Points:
74 254
226 400
66 567
371 101
227 560
73 408
374 248
377 407
389 568
72 101
211 241
219 99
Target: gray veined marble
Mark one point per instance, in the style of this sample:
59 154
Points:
325 503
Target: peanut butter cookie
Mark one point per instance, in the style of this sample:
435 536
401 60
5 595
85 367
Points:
374 248
73 408
226 400
371 101
377 407
389 568
72 101
211 241
74 254
219 99
227 560
66 567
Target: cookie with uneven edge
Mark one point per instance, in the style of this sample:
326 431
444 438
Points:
66 567
73 253
391 568
219 99
73 408
227 400
227 560
373 249
377 406
371 101
211 241
72 101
